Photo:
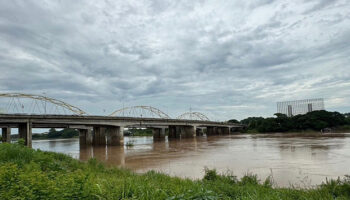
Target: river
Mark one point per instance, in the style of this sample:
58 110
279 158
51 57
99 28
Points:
298 161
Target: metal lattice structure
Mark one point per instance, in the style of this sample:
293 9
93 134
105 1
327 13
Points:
140 111
298 107
35 104
193 116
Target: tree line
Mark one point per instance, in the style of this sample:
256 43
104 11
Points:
316 121
53 133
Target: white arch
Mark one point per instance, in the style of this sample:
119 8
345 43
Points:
193 115
151 109
60 103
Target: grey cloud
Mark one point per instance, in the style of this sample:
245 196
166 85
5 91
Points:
230 60
319 4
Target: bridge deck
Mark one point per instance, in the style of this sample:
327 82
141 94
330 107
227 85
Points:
106 129
64 120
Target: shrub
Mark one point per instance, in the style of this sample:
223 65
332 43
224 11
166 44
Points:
249 179
338 187
21 141
210 174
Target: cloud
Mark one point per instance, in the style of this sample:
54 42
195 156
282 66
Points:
229 60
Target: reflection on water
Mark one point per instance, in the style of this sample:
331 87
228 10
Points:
296 160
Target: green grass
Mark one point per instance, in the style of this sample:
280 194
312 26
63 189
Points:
32 174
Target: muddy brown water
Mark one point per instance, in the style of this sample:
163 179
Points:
298 161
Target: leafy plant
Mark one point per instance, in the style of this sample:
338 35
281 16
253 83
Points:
21 141
33 174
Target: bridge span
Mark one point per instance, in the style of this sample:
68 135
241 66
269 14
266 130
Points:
108 130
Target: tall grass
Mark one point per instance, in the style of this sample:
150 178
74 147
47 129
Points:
33 174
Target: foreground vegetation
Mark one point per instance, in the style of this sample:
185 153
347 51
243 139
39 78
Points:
31 174
312 121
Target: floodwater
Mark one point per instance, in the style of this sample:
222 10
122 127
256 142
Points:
298 161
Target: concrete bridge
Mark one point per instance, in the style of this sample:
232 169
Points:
108 130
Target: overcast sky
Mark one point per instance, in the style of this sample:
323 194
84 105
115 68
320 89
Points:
227 59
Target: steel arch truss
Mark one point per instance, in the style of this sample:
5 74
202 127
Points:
140 111
38 104
193 116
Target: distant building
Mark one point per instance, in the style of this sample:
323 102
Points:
298 107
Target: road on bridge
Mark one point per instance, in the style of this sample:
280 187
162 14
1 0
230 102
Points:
108 130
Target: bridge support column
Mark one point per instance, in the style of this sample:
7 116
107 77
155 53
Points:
172 132
85 137
226 130
188 131
236 129
223 130
231 130
158 133
211 130
115 135
182 131
6 134
199 132
25 132
99 136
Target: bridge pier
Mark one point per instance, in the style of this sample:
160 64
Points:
172 132
211 130
85 136
182 131
158 133
227 130
236 129
6 134
25 132
115 135
199 132
223 130
189 132
99 136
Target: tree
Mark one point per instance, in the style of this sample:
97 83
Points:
252 122
347 118
69 133
315 120
284 122
52 130
52 133
233 121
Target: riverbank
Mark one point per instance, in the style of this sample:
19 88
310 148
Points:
331 131
311 121
30 174
301 134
